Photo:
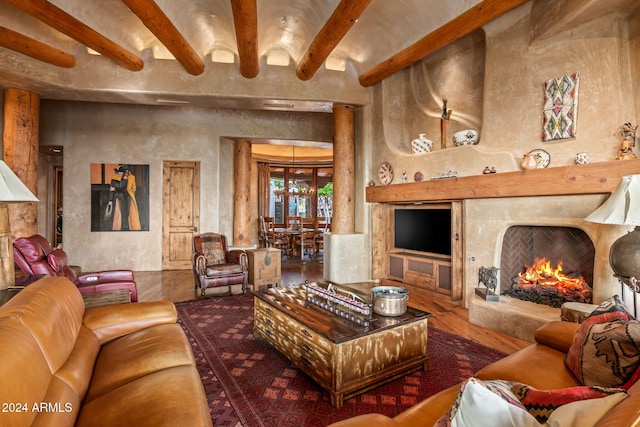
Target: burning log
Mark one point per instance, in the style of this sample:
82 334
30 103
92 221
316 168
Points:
549 285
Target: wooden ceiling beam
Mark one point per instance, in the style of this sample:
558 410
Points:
245 21
159 24
474 18
334 30
57 18
35 49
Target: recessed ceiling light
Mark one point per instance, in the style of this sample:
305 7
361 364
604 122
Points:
278 57
223 56
335 64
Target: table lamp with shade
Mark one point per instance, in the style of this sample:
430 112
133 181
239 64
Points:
12 190
623 208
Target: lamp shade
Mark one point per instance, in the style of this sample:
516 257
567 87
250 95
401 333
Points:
12 190
623 206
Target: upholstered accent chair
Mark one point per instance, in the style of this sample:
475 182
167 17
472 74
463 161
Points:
35 256
215 266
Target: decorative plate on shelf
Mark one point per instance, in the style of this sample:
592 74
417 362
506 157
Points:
542 157
385 173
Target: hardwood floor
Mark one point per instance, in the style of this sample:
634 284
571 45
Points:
178 286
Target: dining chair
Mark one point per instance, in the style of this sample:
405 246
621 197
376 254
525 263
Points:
323 227
306 240
294 222
274 239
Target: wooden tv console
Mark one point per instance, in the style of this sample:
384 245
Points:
343 357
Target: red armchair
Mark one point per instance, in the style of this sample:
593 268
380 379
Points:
214 265
35 256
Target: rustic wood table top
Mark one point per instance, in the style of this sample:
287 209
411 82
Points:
292 301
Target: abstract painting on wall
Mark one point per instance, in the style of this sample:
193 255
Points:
119 197
560 113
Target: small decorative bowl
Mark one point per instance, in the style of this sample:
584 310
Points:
465 137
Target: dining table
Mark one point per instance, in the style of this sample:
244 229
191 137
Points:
291 233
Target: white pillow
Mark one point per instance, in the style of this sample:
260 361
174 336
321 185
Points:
478 406
481 407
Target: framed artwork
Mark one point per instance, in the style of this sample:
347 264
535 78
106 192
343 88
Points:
560 113
119 197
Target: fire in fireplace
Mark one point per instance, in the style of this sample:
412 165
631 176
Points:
567 249
543 283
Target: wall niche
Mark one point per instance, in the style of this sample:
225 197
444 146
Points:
412 98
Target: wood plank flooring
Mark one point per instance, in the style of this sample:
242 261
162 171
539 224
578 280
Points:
178 286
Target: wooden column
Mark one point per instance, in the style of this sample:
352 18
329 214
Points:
242 187
343 170
20 145
20 142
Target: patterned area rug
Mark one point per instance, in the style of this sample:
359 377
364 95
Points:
248 383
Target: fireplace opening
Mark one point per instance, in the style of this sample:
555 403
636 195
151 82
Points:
547 265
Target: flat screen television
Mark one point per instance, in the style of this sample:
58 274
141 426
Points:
424 230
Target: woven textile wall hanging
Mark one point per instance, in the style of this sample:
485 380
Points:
560 113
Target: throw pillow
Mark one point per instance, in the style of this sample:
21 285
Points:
486 403
498 403
606 348
543 404
213 250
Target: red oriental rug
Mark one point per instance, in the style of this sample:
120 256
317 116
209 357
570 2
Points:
248 383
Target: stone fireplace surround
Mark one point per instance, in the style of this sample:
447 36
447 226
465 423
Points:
491 205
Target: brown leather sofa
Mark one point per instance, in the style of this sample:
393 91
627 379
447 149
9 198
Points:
117 365
540 365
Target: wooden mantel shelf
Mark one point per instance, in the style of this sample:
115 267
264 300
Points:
593 178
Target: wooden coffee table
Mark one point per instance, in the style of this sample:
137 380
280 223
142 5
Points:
343 357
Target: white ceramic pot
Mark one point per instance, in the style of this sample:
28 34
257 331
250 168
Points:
583 158
465 137
422 144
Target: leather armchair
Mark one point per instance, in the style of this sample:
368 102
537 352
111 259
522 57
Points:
35 256
214 265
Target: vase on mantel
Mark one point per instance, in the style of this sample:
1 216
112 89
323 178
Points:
529 161
422 144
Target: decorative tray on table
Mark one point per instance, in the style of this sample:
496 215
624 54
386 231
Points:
341 302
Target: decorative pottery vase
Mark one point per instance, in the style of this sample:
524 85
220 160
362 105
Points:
583 158
422 144
465 137
529 161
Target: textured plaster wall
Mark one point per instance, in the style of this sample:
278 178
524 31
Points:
117 133
510 66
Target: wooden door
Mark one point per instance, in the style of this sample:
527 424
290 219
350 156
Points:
180 213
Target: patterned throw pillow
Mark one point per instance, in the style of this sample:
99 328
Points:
498 403
542 403
606 348
213 250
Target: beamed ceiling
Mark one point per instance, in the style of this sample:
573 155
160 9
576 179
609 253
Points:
296 55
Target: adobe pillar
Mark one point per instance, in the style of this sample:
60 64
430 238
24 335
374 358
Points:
242 190
343 170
